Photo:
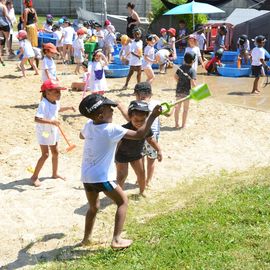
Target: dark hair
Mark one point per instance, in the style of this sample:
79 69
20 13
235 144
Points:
182 21
136 112
9 3
189 58
130 5
85 64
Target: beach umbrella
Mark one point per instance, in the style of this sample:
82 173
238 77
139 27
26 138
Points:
194 8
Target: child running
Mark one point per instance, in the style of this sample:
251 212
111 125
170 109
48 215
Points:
136 57
185 77
96 81
48 65
149 57
26 52
143 92
98 168
47 127
258 62
130 151
78 48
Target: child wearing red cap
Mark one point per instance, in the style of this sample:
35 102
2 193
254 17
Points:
48 65
26 52
78 50
171 41
46 128
163 40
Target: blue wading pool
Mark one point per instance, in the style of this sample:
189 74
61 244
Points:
44 38
232 71
228 56
117 60
179 60
117 71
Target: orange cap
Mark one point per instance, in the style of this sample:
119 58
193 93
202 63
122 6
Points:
50 47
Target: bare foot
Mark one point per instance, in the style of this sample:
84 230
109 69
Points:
177 126
121 243
35 181
84 243
142 194
124 87
36 73
57 176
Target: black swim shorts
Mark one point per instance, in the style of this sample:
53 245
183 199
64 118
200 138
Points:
100 187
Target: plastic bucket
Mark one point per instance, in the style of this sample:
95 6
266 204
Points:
200 92
90 47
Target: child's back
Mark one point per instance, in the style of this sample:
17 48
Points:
185 74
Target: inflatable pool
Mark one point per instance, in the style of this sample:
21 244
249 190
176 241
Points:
233 71
179 60
116 60
228 56
44 38
117 71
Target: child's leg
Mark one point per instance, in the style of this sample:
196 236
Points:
185 113
150 75
121 200
40 163
55 154
131 71
122 173
93 201
31 60
139 74
77 69
64 52
255 85
138 167
150 170
177 109
24 60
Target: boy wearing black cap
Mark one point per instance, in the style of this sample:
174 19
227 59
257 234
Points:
185 77
130 151
258 63
98 168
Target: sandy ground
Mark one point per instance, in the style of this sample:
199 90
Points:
37 223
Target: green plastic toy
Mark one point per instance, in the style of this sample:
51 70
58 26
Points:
197 93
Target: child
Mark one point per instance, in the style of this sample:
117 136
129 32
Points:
163 57
257 62
171 41
201 40
78 48
48 65
58 34
26 51
96 81
193 48
185 77
149 57
47 127
68 33
135 62
98 168
48 25
220 38
99 33
20 24
124 53
215 62
109 42
182 35
163 40
143 92
130 151
243 48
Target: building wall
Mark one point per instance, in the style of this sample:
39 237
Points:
68 7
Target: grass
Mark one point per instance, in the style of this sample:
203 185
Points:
222 222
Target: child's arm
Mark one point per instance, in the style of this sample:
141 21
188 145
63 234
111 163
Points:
47 121
123 110
176 77
201 61
193 83
47 73
156 146
149 60
142 131
63 109
105 61
21 52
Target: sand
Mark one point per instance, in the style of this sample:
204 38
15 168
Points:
37 223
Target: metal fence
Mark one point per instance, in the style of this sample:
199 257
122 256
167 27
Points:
68 7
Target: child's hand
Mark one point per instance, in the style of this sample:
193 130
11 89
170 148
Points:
55 123
159 156
157 111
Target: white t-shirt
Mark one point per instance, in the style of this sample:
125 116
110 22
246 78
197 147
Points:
163 56
28 51
161 43
48 63
197 52
97 81
47 28
12 16
68 33
125 51
201 41
109 41
47 134
100 38
149 51
99 151
171 43
156 124
78 47
58 35
257 54
136 47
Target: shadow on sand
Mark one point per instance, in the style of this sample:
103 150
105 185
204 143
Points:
239 93
25 107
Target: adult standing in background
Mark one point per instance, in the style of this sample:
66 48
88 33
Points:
30 21
4 25
11 14
133 19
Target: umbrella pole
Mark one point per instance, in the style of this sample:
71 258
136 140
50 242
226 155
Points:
193 16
